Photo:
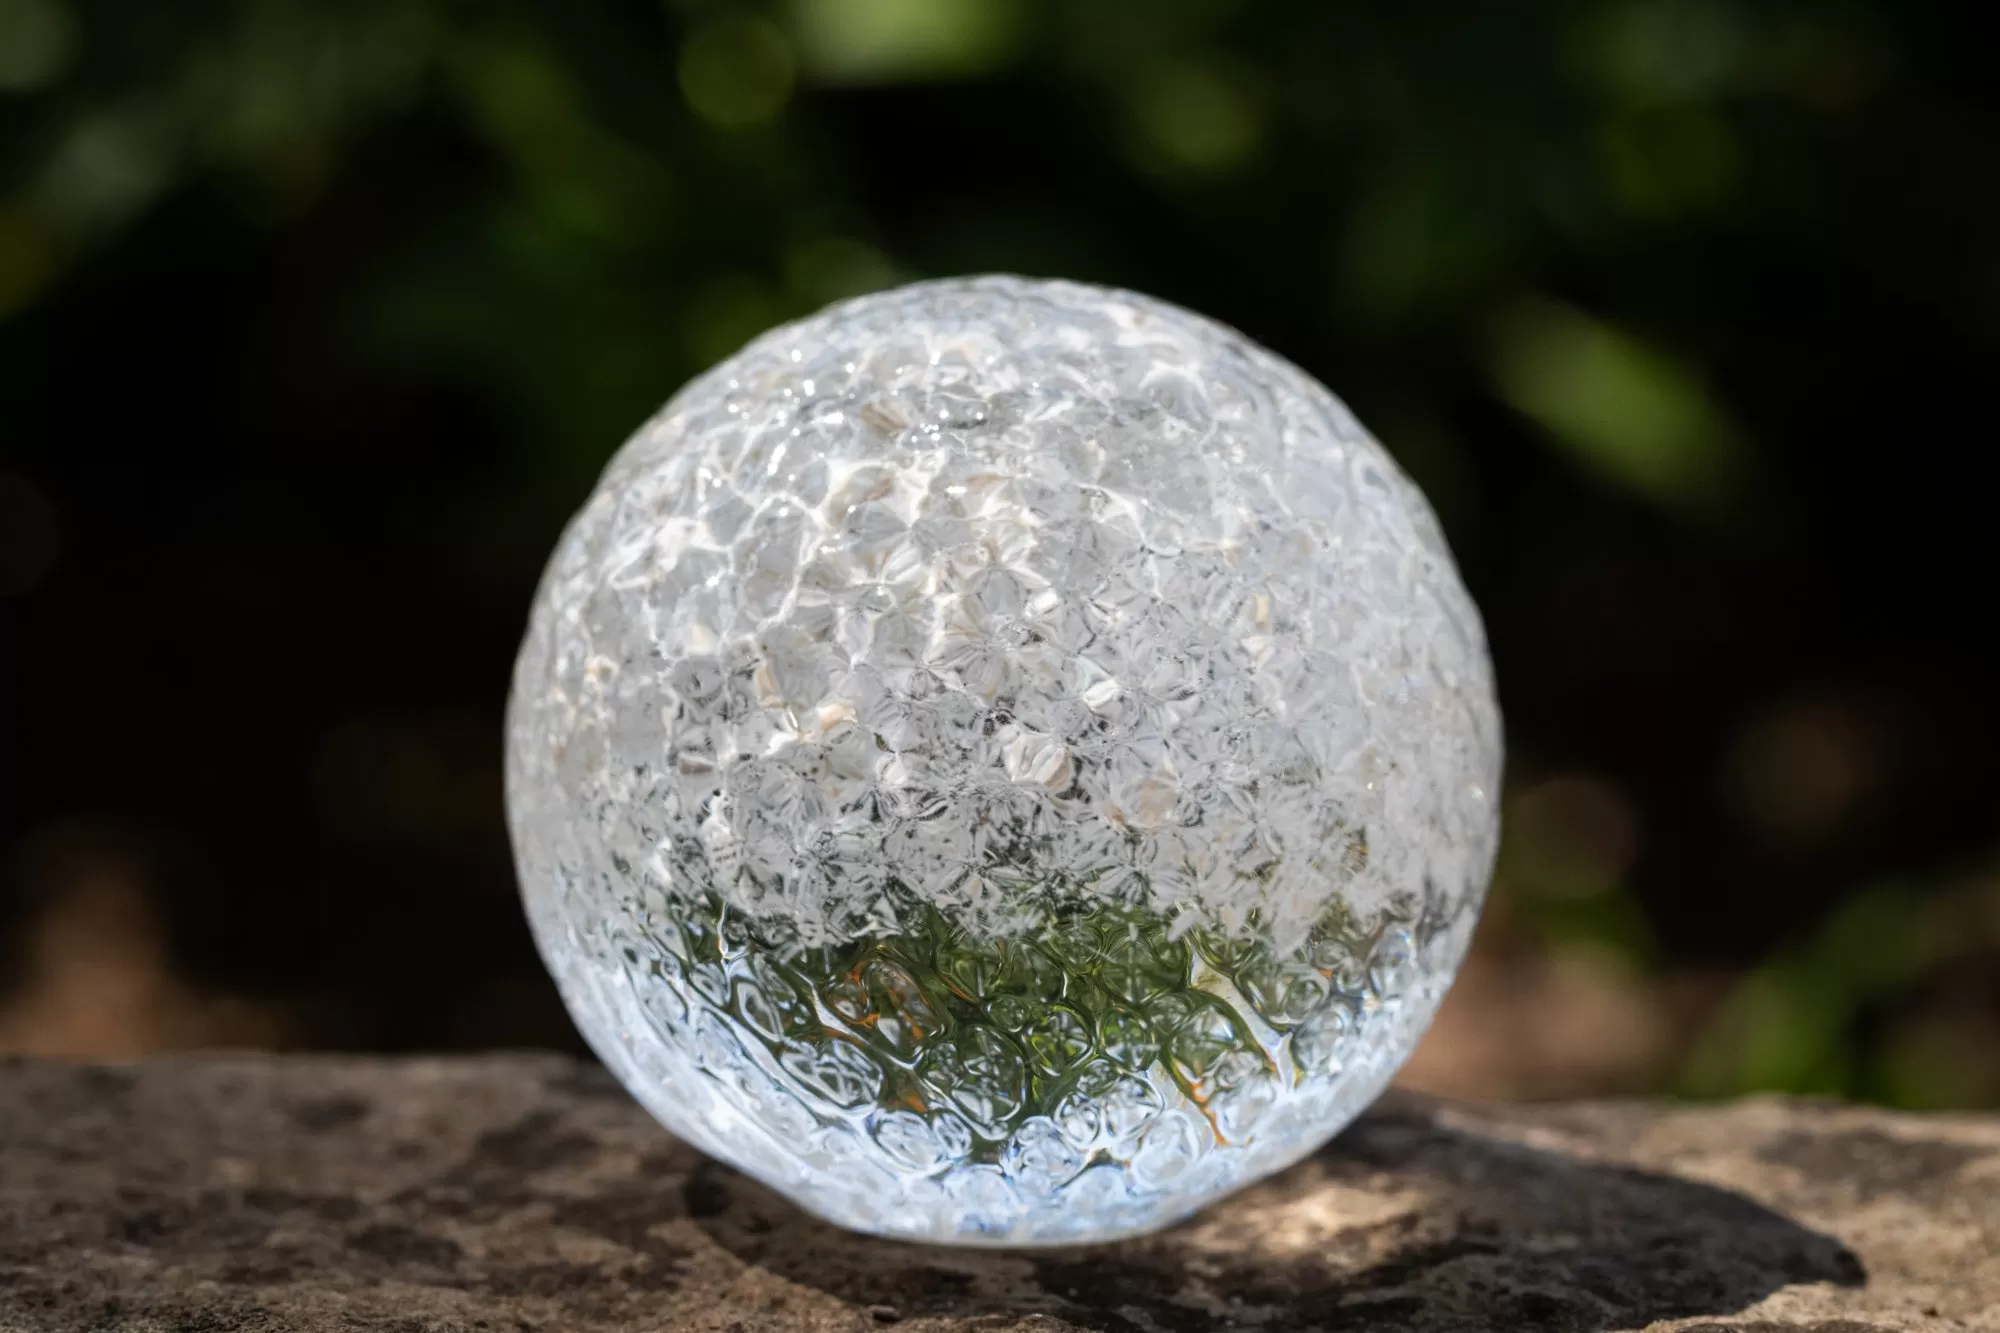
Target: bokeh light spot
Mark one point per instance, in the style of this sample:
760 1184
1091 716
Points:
106 167
37 41
1571 836
1196 117
1798 772
1665 162
736 71
1633 414
1664 50
831 268
1783 1026
888 41
27 261
98 978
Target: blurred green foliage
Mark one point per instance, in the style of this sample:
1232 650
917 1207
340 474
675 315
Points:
1671 305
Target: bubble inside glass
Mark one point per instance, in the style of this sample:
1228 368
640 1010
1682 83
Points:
1003 761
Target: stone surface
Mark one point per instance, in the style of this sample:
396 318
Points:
528 1193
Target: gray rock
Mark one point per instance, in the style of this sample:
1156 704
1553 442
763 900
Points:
254 1193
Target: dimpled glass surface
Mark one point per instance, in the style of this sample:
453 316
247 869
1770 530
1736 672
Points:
1003 761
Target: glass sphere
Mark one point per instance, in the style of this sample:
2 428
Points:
1003 761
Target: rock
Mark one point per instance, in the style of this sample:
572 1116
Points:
253 1193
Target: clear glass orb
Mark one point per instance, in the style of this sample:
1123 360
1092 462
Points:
1003 762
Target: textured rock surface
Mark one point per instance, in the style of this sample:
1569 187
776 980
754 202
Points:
527 1193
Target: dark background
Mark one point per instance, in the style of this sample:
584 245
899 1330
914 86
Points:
317 320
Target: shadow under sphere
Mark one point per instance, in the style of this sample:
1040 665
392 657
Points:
1528 1240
